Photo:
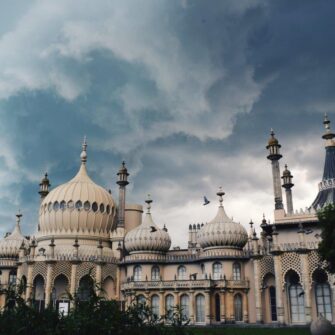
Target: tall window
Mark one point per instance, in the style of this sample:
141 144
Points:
200 308
181 272
296 298
141 299
155 305
237 271
169 304
238 307
322 294
155 273
273 304
217 270
137 273
184 304
12 278
217 308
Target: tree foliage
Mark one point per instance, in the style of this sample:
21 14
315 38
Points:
327 245
95 316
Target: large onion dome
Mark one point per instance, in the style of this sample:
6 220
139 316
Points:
77 208
10 245
147 237
222 232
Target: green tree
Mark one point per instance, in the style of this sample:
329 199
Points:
327 245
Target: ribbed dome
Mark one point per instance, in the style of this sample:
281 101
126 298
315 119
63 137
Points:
78 207
222 231
10 245
148 236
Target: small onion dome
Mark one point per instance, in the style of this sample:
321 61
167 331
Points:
147 237
77 208
222 232
10 245
272 139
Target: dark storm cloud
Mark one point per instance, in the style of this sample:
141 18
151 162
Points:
185 92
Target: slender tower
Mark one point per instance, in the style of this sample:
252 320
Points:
122 182
287 184
327 185
44 187
274 156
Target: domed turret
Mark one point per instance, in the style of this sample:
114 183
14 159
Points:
222 232
77 208
10 245
147 237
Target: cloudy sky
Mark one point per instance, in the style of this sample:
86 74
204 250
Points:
184 91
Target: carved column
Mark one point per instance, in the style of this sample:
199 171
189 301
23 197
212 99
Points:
207 307
307 286
231 305
258 297
161 304
74 265
192 307
245 306
48 284
29 283
279 298
223 306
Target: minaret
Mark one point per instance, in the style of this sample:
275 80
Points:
274 156
44 187
327 185
122 182
287 184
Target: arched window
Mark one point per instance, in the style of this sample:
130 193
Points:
200 308
185 304
137 273
236 271
238 307
322 294
87 205
155 305
38 292
273 304
296 297
85 289
181 272
141 299
217 271
169 305
155 273
12 278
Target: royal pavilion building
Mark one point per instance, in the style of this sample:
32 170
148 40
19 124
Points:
226 274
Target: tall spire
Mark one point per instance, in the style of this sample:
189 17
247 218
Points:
327 185
287 184
274 156
18 221
122 182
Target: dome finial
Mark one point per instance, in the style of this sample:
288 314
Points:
328 135
18 217
220 194
83 155
148 202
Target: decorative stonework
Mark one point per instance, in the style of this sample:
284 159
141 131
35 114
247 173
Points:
62 268
290 261
40 268
108 270
84 269
266 266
